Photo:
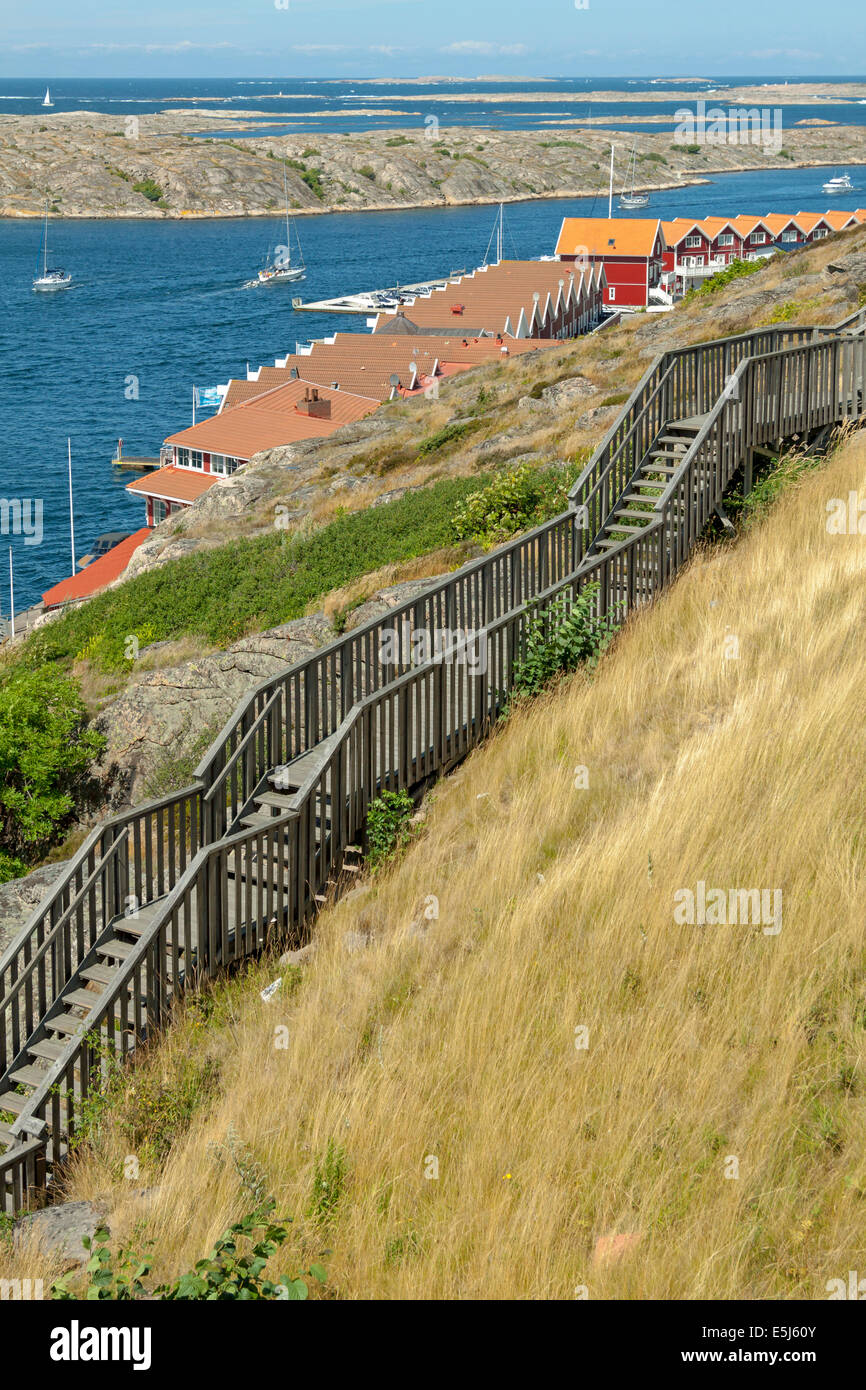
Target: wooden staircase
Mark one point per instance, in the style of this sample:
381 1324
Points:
244 856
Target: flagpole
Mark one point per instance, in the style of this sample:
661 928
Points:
71 512
11 592
193 405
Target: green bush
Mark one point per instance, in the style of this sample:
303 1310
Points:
46 752
568 635
234 1269
367 172
447 435
388 825
734 271
149 189
515 501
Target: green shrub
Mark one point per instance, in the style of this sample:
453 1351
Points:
368 172
46 752
388 825
568 635
514 501
734 271
149 189
234 1269
447 435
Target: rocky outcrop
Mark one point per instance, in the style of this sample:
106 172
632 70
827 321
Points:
162 724
20 896
96 165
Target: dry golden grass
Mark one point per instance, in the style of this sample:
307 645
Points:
705 1044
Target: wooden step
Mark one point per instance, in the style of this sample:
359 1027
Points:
114 948
49 1050
68 1024
82 998
12 1102
28 1076
258 821
636 512
279 800
99 974
621 526
659 468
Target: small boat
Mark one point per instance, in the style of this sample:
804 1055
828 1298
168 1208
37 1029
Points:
46 100
50 279
281 270
628 198
841 184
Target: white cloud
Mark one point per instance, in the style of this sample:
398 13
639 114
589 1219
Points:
483 47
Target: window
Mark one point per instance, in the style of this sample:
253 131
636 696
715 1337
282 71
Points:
790 235
220 464
693 241
159 510
819 232
183 458
758 238
726 239
611 291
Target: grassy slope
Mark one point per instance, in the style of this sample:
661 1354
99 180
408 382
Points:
703 1043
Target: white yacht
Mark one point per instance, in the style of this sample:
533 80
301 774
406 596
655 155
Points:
50 279
281 270
841 184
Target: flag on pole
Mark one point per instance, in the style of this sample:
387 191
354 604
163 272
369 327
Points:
207 397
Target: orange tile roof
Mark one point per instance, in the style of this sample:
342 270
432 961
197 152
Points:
607 236
97 575
365 362
272 419
498 299
174 484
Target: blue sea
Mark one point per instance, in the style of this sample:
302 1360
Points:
158 307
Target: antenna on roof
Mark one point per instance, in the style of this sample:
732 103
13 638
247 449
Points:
394 379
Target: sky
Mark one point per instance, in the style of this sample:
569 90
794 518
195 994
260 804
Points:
412 38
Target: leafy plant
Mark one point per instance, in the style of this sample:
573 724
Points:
149 189
735 271
447 435
568 635
388 825
329 1183
46 752
515 501
234 1269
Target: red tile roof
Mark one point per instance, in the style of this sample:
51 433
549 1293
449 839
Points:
97 575
174 484
270 420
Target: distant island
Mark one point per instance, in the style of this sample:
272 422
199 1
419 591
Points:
183 163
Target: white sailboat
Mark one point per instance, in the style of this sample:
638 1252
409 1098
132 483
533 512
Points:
50 279
281 270
628 198
46 100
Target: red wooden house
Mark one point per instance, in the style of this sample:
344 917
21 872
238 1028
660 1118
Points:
629 249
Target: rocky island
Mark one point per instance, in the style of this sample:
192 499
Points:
185 162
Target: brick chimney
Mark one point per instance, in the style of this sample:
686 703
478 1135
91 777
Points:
314 405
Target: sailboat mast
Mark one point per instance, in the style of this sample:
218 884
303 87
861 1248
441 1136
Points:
500 236
45 244
288 232
610 192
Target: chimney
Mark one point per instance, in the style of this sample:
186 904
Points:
313 406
